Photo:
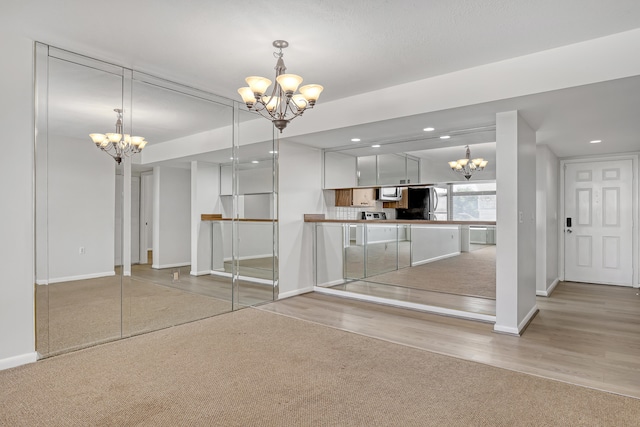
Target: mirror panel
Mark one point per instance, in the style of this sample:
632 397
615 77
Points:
413 170
339 170
392 169
123 249
256 261
78 279
367 170
170 281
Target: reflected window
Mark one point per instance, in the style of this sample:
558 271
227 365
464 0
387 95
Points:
473 201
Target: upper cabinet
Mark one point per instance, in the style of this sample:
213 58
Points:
367 171
340 170
356 197
343 170
392 169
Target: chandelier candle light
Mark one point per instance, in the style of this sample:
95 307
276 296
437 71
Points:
468 167
116 144
283 104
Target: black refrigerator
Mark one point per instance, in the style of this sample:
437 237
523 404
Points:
423 202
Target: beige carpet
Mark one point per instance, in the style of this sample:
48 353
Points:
251 368
470 273
85 312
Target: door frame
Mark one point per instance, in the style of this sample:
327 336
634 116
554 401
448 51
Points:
634 206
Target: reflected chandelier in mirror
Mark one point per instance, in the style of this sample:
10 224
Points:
116 144
468 167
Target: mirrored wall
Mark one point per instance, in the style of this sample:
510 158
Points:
185 230
405 228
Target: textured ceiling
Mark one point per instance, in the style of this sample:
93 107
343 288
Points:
350 47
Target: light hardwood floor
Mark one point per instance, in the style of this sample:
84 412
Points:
584 334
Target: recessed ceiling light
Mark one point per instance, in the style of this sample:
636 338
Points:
428 129
445 137
596 141
255 161
230 158
273 152
375 146
355 139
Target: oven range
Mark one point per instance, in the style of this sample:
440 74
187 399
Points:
373 215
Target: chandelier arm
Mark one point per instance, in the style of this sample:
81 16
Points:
281 106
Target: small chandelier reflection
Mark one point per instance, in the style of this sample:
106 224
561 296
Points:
283 104
116 144
468 167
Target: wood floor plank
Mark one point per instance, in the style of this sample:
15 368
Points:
584 334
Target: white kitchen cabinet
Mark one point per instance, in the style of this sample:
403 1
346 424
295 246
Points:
339 170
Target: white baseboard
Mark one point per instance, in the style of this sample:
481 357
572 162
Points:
406 304
23 359
74 278
510 330
295 292
200 273
506 330
527 319
244 278
178 264
426 261
242 258
332 283
549 289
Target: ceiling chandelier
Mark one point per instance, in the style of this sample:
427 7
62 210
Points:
116 144
468 167
283 104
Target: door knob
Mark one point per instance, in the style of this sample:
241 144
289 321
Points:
569 231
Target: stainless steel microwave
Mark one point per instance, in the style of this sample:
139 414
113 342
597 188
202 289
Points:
391 194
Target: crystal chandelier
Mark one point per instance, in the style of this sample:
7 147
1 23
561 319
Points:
283 104
468 167
116 144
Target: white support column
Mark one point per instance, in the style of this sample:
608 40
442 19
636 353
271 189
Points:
205 198
126 217
195 219
156 217
516 240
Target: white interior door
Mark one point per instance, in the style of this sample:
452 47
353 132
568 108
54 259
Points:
598 222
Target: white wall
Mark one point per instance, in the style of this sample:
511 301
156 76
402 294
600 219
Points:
330 248
258 180
431 243
17 336
171 217
547 169
147 213
299 193
516 241
81 205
